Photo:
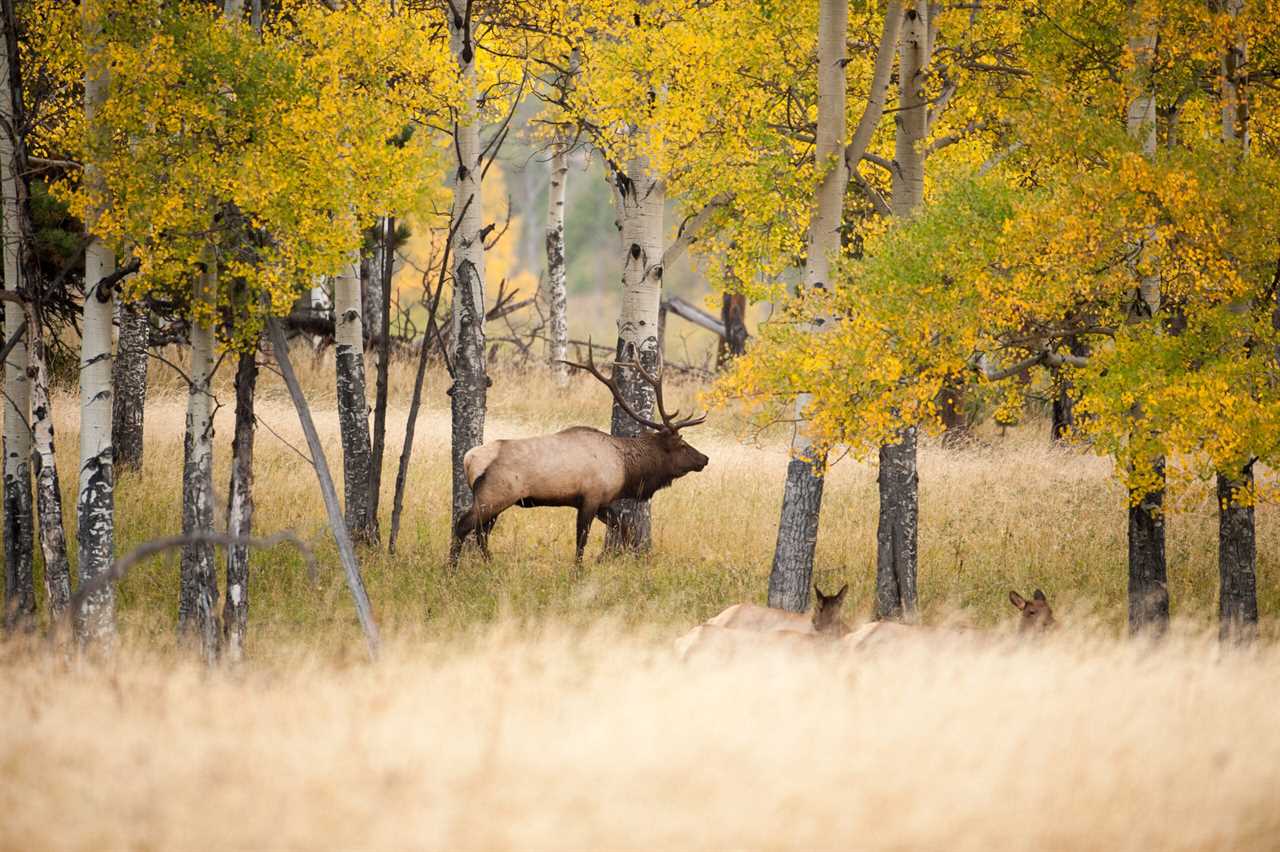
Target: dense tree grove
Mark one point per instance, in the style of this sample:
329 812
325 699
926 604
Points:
944 203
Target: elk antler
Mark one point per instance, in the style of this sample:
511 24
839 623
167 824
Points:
669 422
667 419
590 367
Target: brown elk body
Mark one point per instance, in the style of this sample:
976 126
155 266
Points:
744 625
579 467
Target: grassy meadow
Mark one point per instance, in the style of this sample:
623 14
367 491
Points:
519 705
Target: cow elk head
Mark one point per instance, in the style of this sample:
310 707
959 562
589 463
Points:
1037 617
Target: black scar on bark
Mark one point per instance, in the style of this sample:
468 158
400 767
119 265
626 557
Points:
635 251
657 272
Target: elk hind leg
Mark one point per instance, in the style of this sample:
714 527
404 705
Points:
467 524
586 514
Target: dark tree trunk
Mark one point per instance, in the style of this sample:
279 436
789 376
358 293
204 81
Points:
792 570
1148 581
468 396
1237 557
19 542
129 378
384 365
896 535
951 411
353 409
235 609
1064 404
733 313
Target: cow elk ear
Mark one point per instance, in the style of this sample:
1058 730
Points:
1039 595
1017 600
818 592
840 594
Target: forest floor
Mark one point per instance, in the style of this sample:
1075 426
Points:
520 705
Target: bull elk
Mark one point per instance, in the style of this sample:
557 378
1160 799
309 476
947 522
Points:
579 467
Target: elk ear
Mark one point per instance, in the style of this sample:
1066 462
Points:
1039 595
840 594
1017 600
818 592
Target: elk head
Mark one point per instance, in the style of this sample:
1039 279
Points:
826 611
1037 617
684 458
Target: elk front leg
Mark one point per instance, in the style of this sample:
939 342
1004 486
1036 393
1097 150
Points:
482 536
466 524
586 514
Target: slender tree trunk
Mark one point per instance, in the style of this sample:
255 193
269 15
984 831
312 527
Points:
129 377
235 609
897 530
733 314
1237 538
792 570
341 538
95 501
20 593
353 409
198 594
53 539
641 197
384 364
1148 584
469 394
1237 557
955 422
554 296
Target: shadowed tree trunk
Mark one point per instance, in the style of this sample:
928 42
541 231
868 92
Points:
468 396
384 271
353 408
129 378
1237 539
955 421
1148 585
733 314
20 592
640 203
897 530
53 538
554 296
235 609
95 500
792 571
197 619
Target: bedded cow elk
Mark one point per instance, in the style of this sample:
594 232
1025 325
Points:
579 467
747 624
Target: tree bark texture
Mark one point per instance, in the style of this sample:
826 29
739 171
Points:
1148 587
792 571
1237 558
235 608
129 378
384 364
897 531
53 538
640 198
469 394
346 550
898 525
95 498
353 407
554 296
20 593
198 592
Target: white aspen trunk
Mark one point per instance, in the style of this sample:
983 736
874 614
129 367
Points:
198 592
554 296
469 393
898 483
353 406
20 596
792 571
641 198
1148 584
53 538
95 501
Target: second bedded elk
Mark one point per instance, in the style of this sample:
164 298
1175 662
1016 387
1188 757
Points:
578 467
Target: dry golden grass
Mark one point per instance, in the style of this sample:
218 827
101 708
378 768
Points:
520 706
